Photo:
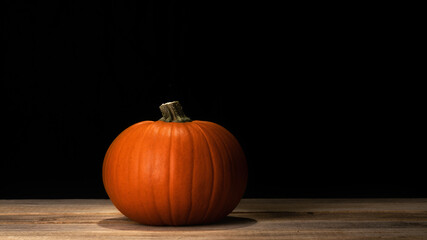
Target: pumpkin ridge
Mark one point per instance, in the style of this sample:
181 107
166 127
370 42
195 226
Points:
229 142
141 139
192 172
170 176
155 201
113 169
122 148
213 170
218 142
221 141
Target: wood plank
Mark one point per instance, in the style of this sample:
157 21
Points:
246 205
332 205
252 219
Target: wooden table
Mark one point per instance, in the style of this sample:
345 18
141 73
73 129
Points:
252 219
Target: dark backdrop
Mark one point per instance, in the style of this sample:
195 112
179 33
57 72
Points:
317 95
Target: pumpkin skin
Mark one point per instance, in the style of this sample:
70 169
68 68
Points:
175 173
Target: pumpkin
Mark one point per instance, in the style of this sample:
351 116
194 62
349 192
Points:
175 171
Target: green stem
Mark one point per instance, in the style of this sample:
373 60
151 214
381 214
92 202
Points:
172 112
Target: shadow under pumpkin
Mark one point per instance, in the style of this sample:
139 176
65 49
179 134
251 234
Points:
124 223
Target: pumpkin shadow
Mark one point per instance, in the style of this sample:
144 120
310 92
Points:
124 223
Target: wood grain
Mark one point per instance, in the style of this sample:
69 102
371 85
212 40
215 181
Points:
252 219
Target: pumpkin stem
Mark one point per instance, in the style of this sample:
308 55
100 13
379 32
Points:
172 112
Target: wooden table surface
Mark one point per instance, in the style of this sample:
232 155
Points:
252 219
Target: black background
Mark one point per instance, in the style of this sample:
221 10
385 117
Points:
317 95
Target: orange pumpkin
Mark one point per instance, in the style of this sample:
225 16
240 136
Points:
175 171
